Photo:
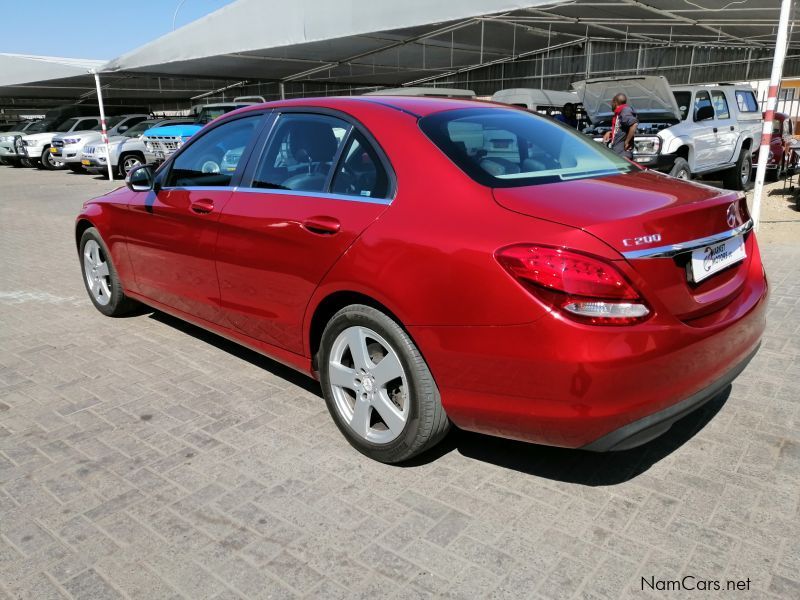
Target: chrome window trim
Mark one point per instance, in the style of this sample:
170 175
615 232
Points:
326 195
675 249
252 190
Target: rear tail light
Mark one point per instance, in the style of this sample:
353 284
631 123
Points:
582 287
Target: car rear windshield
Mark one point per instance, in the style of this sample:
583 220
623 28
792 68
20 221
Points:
501 147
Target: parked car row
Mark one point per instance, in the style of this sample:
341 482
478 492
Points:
70 137
684 131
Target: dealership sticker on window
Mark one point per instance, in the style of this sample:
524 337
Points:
711 259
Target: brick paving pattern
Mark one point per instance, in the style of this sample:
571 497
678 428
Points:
144 458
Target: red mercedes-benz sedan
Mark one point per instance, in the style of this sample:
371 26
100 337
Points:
438 261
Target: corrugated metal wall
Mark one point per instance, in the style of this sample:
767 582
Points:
679 64
559 68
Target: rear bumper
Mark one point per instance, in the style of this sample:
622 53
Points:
563 384
650 427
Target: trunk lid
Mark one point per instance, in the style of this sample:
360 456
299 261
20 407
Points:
650 96
641 211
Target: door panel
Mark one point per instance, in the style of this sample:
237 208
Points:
171 246
727 132
280 236
174 230
273 249
705 139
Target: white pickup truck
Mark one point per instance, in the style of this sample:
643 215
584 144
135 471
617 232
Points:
686 131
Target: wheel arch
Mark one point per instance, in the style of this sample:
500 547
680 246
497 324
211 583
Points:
80 227
332 303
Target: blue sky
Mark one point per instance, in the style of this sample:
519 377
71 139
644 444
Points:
101 30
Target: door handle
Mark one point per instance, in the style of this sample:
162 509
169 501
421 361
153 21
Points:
322 225
202 207
733 128
715 130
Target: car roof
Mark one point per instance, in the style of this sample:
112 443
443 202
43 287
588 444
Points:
414 105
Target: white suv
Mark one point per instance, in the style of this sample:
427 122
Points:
685 131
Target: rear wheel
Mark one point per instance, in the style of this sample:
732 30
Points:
100 277
680 169
738 177
378 387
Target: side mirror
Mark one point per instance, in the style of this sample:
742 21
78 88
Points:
704 113
140 179
122 129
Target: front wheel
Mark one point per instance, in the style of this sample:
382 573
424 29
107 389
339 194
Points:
128 162
50 163
378 387
680 169
100 277
738 177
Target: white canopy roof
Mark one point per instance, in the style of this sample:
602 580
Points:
363 40
19 69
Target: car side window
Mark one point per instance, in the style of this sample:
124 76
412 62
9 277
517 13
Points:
701 100
360 172
213 158
746 100
133 121
720 104
301 152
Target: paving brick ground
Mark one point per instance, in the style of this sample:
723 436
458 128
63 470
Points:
143 458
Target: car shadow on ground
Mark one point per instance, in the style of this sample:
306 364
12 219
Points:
237 350
559 464
576 466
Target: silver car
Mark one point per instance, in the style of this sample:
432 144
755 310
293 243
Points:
126 151
67 147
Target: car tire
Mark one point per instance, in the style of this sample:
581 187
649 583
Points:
127 162
49 163
391 413
100 277
738 177
680 169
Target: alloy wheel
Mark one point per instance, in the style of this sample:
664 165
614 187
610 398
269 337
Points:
95 270
129 163
369 385
744 173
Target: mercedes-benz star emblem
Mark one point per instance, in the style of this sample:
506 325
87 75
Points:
731 216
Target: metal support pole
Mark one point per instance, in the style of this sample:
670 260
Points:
282 90
772 98
103 130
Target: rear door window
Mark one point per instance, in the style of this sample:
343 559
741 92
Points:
301 152
360 172
720 104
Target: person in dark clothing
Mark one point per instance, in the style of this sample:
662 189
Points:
567 115
623 127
